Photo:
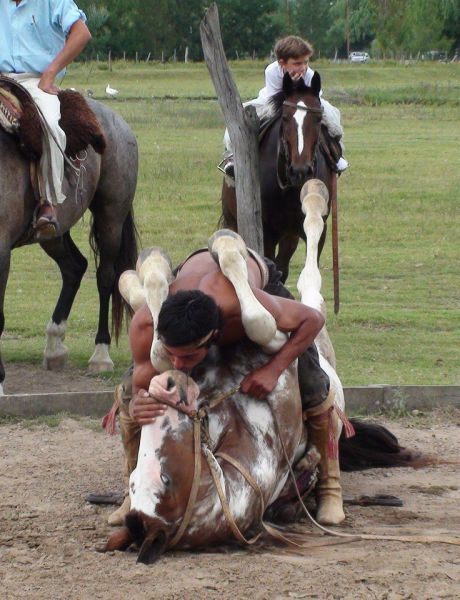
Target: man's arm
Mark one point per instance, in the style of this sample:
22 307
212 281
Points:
302 322
79 36
142 407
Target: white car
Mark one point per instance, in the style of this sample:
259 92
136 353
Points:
359 57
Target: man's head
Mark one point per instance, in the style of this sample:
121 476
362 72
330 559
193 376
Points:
188 323
293 54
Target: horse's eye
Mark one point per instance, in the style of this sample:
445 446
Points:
165 479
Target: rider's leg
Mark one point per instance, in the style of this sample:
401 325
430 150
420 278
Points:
331 119
52 159
322 426
323 430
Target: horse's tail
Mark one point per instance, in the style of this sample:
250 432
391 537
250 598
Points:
374 446
126 259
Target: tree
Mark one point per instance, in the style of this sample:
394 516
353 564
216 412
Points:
248 27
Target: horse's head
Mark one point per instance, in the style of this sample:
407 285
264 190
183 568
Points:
299 131
160 486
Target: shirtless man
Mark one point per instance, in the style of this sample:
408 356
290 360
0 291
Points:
202 310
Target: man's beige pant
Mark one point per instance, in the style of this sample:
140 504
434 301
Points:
51 110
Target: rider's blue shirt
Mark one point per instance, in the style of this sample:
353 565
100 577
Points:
34 32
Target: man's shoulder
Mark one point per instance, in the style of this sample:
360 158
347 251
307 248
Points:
142 319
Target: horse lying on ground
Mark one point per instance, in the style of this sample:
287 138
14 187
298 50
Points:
103 183
211 465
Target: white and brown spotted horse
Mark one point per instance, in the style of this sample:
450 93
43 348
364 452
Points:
193 488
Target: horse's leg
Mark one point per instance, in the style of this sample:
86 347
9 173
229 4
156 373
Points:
72 265
108 244
114 233
5 255
286 248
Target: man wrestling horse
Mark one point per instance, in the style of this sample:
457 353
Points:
222 296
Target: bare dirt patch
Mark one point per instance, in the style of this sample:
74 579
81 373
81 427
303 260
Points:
48 533
22 378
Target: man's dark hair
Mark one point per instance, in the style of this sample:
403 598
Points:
187 317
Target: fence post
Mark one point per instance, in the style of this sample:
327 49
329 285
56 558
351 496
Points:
243 128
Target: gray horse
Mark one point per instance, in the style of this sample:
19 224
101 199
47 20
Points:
106 186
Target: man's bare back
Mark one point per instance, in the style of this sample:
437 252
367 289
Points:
201 272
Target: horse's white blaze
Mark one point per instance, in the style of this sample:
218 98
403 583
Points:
299 117
258 323
100 360
145 485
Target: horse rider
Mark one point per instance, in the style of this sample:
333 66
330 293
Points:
37 41
203 310
292 56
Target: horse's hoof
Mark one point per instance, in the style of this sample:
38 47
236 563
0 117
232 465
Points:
55 363
100 361
102 366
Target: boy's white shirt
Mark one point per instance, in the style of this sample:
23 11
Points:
274 80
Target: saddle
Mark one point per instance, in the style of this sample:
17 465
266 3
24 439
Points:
19 116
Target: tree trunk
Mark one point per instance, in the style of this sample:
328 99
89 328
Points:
243 128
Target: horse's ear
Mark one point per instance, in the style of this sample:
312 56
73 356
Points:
316 83
120 540
288 84
152 548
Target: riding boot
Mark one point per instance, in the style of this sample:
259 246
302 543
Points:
46 222
323 430
130 436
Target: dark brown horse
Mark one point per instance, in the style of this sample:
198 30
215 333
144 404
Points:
106 186
290 155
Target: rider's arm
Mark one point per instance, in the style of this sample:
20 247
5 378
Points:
79 36
303 323
142 407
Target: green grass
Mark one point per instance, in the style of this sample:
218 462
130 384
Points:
398 210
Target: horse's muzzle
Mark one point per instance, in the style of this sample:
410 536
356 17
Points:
298 175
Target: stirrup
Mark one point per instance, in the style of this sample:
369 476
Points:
44 227
227 166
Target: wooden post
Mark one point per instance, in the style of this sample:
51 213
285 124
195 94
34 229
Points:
109 60
186 55
243 128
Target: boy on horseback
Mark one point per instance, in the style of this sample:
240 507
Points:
293 55
37 41
210 304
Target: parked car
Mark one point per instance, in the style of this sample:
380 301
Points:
359 57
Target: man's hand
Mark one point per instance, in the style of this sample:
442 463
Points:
259 383
47 84
144 409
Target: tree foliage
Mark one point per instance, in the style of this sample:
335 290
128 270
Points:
165 28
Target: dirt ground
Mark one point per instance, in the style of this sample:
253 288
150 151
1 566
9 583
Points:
48 533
